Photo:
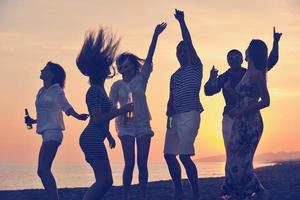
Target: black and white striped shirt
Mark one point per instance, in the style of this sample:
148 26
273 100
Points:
91 140
184 89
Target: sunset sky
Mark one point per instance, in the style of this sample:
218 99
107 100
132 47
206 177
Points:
34 32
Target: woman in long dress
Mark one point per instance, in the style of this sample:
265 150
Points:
252 95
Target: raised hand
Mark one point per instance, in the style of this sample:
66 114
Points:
179 15
160 28
213 73
276 35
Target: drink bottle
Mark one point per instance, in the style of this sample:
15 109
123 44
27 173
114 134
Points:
29 126
129 100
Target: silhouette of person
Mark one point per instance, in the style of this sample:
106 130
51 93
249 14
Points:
184 109
251 95
94 60
135 74
50 103
216 83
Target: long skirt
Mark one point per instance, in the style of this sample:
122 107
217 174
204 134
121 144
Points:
241 143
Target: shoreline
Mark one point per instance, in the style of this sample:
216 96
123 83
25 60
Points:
282 179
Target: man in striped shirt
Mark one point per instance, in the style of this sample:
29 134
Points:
183 112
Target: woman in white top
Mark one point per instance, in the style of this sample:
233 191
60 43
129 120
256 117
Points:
135 74
50 102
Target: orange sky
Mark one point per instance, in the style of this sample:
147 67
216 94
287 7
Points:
34 32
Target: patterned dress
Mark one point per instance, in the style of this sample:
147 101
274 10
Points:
241 180
91 140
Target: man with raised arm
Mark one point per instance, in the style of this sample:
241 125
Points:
183 112
232 77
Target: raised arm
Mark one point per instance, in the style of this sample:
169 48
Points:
179 15
213 85
274 54
158 30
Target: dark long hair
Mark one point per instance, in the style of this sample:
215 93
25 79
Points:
258 52
97 55
135 60
59 74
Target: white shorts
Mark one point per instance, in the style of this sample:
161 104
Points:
136 130
52 135
227 123
181 137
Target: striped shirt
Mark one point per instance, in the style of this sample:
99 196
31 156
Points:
97 99
91 140
184 89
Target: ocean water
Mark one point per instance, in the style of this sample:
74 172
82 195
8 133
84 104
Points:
15 176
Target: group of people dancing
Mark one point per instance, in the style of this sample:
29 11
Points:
245 92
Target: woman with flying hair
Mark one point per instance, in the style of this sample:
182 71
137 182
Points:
136 128
95 61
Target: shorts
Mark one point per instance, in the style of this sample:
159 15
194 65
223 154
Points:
227 123
92 144
52 135
181 137
135 130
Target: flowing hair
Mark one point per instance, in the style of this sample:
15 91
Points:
97 55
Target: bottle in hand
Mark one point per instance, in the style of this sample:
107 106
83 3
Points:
29 125
129 100
169 122
128 115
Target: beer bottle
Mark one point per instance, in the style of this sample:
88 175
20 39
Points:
29 125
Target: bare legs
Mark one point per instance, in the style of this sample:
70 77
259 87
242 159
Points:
129 155
104 180
143 146
175 172
46 156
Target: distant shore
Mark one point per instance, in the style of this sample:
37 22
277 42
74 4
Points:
282 179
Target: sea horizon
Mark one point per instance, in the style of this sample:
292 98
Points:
19 176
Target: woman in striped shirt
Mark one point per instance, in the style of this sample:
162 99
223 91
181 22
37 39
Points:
95 60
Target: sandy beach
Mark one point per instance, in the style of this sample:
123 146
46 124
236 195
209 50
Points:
282 179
